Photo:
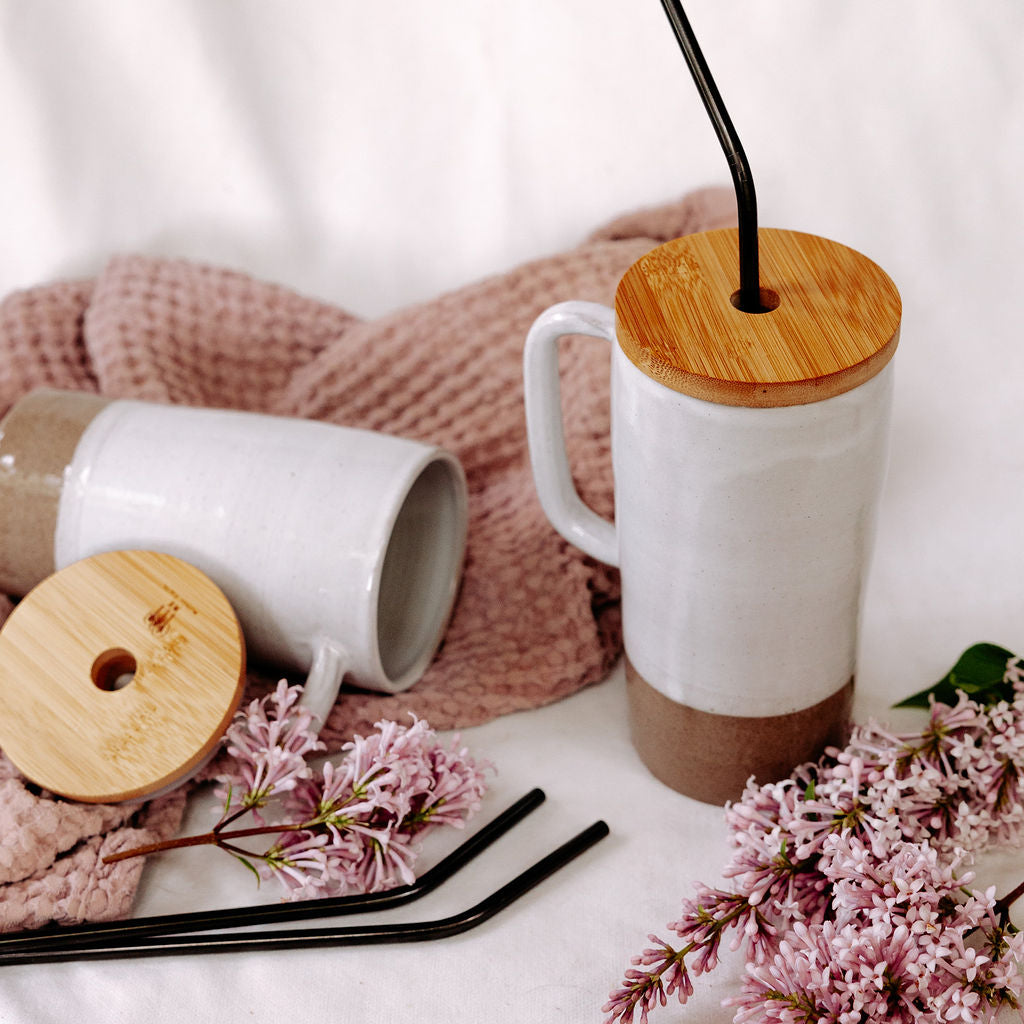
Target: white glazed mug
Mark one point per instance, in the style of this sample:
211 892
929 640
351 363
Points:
742 533
339 549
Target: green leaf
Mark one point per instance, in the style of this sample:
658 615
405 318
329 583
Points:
227 801
978 673
250 866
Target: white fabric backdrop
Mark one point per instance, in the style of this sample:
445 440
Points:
373 155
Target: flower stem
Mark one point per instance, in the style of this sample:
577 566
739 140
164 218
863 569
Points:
1004 903
228 818
216 837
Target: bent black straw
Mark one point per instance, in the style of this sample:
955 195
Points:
420 931
122 932
746 199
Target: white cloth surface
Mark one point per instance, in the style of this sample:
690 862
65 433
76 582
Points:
374 155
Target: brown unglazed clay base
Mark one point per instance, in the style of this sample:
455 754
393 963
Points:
710 757
38 438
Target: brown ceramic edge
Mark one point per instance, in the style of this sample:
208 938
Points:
38 438
711 757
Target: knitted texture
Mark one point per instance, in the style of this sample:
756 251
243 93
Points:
535 620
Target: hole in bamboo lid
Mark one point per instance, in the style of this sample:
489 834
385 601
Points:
114 669
767 301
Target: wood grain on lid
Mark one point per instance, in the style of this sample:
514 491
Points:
65 720
836 324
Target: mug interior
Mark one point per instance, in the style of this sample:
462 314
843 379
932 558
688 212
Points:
421 570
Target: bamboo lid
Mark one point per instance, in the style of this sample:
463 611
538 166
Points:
118 676
834 326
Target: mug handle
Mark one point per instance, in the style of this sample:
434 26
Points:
330 663
575 521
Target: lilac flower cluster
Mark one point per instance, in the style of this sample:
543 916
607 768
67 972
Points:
850 890
350 826
269 743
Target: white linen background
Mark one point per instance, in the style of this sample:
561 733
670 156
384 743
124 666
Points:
375 155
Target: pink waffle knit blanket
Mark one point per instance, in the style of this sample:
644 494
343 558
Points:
535 621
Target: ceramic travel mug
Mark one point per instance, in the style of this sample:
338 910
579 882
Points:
340 550
748 451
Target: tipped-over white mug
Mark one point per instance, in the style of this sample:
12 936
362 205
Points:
340 549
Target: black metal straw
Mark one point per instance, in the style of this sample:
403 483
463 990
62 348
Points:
749 296
124 932
419 931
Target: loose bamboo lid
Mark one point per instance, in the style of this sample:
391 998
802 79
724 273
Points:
146 620
834 326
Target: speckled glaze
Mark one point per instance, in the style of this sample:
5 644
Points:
340 549
743 535
743 559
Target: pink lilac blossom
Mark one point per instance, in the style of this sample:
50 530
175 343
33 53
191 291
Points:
850 883
269 743
389 790
353 825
